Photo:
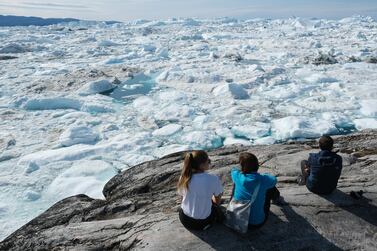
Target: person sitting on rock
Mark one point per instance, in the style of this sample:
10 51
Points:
245 182
322 170
201 192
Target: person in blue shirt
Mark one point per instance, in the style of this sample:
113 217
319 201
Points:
321 172
246 180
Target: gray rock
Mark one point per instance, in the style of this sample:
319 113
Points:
322 59
372 60
140 210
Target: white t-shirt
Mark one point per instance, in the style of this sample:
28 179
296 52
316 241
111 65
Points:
197 200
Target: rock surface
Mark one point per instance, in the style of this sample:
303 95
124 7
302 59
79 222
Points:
140 210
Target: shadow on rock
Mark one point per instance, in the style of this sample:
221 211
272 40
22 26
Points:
361 208
289 231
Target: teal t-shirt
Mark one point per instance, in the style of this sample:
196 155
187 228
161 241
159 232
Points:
244 188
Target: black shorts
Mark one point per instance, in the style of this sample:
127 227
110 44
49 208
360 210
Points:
196 224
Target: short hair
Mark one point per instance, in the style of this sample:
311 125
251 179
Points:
326 143
249 162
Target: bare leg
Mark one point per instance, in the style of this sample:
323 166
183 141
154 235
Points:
304 172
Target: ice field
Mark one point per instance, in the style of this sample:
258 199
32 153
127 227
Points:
80 102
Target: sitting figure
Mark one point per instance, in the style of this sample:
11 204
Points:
322 170
201 192
246 182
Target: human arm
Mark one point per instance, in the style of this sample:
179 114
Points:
307 164
269 180
217 199
217 191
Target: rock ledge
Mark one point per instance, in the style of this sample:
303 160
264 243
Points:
141 203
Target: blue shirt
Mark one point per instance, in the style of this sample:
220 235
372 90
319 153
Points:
245 185
325 169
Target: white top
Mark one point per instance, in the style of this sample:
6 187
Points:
197 200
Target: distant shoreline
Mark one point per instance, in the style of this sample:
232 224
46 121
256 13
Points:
28 21
12 21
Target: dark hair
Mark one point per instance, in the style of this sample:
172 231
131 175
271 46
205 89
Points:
191 164
249 162
326 143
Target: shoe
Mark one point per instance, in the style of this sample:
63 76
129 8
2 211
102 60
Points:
357 195
279 201
301 180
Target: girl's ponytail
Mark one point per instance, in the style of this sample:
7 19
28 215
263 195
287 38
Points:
191 164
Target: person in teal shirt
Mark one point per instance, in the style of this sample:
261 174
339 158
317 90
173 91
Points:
246 180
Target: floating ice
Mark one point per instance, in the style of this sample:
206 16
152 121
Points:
78 135
115 60
31 167
369 107
3 209
301 127
52 104
94 106
107 43
99 86
202 139
231 90
320 78
31 195
13 48
169 149
163 53
84 177
167 130
139 85
71 153
257 130
234 141
149 48
133 159
187 84
361 124
269 140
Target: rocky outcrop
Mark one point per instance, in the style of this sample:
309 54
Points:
141 203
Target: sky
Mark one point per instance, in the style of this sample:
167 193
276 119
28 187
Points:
125 10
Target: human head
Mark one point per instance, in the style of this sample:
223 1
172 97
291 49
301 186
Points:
249 162
326 143
194 162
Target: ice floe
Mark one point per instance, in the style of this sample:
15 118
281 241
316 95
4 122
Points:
80 102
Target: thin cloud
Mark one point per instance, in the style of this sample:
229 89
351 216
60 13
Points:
55 5
125 10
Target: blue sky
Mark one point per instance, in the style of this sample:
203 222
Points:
123 10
